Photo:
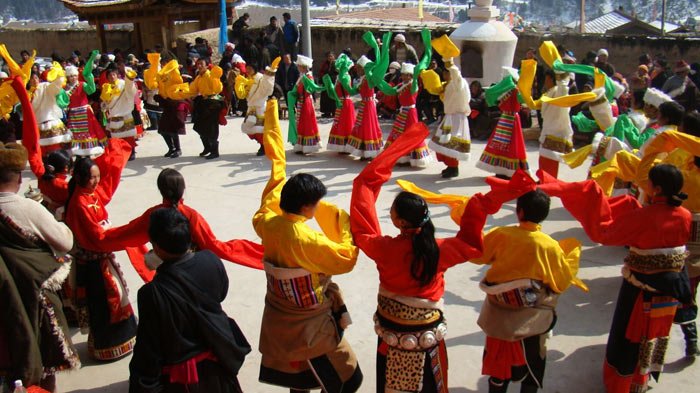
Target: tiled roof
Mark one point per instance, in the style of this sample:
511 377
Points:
388 14
603 23
668 27
94 3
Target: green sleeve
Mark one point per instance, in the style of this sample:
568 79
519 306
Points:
89 85
330 90
291 108
584 124
310 86
62 99
375 74
387 88
424 61
345 81
495 92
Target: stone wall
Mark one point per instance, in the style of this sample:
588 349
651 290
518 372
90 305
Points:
624 50
62 42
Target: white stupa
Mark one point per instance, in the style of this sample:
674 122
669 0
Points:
487 44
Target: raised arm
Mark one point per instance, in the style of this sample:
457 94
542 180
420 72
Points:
274 150
424 61
30 128
366 186
89 85
111 164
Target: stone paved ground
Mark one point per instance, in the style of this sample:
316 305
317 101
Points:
226 192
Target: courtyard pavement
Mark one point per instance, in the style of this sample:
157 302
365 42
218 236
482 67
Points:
226 191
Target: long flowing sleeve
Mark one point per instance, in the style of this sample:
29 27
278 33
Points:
30 129
274 150
111 164
367 185
89 86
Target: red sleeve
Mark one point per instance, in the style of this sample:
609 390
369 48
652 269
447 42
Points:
30 129
366 186
133 234
609 221
136 256
242 252
111 164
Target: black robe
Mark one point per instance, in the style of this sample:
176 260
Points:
180 316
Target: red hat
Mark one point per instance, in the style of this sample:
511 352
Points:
681 66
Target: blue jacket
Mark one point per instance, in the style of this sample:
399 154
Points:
291 32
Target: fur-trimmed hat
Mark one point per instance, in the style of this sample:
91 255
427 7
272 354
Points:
656 97
681 66
304 61
407 68
362 61
13 156
71 70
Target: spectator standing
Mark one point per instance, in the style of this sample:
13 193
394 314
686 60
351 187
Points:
273 41
660 72
681 88
291 35
602 63
402 52
287 74
239 28
201 46
249 52
327 68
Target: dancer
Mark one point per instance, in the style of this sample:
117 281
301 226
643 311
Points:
505 150
411 351
407 92
207 107
452 140
88 134
53 134
653 277
185 340
35 340
164 78
303 129
171 185
522 287
366 138
344 120
117 97
257 94
102 301
301 338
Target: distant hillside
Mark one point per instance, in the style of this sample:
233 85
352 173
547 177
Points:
39 10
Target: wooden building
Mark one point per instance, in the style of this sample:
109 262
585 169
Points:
155 21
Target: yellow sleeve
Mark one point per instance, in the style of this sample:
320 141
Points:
323 255
274 150
623 165
563 266
334 222
528 68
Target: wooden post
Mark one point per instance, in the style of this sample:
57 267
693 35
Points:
164 32
137 38
101 38
583 17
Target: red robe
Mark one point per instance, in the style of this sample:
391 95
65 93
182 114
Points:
393 255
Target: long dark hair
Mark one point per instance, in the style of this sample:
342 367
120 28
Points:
670 180
171 185
81 176
57 162
414 210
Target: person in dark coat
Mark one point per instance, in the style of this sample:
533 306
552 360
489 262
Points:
185 340
287 75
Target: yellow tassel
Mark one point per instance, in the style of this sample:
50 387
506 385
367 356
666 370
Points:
577 157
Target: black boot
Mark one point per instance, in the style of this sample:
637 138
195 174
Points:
690 331
169 142
528 388
207 147
261 151
498 386
450 171
214 150
176 147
